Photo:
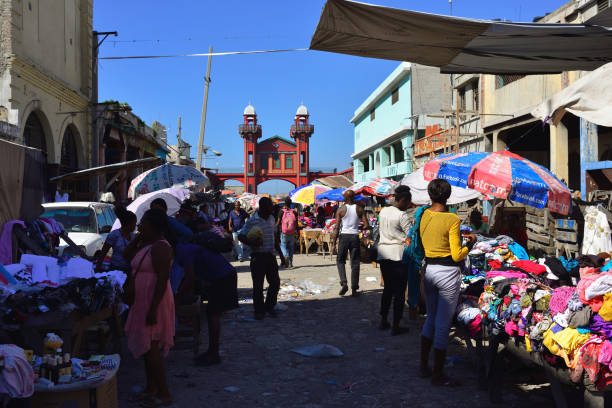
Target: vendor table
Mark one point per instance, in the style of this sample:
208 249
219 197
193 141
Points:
308 237
326 239
486 357
101 393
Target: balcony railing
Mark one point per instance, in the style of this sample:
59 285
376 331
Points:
302 129
8 130
249 128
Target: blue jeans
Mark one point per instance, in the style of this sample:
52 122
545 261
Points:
238 248
287 244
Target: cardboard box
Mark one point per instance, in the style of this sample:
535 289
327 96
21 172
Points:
103 396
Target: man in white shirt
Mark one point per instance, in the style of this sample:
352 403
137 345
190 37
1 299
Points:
394 227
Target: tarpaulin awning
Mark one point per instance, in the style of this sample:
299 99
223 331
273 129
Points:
590 98
109 168
461 45
338 181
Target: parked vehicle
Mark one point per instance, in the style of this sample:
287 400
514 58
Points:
87 224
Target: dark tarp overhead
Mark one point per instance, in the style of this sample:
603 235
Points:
460 45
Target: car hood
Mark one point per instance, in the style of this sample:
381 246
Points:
82 238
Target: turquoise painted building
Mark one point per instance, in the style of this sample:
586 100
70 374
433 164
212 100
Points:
387 122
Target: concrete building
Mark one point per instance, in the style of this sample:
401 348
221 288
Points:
392 117
45 79
180 153
507 101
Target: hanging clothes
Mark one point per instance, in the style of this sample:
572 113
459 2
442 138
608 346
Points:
6 242
596 232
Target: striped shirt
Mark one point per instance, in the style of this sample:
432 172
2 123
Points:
268 228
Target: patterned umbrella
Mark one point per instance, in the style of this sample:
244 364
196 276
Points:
166 176
377 187
307 195
503 175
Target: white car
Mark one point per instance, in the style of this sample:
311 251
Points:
87 224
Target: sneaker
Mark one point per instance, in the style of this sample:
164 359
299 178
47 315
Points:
259 316
343 291
355 293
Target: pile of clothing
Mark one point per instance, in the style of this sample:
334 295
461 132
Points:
560 308
307 222
41 284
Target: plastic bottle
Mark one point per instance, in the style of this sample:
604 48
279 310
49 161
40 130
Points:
67 364
53 371
44 368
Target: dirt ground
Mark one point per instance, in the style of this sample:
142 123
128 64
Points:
377 370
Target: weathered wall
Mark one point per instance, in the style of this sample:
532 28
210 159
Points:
45 69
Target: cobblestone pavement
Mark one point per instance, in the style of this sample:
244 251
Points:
377 370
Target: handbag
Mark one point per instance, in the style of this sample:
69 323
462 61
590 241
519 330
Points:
129 287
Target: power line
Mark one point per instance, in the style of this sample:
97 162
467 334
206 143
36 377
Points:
202 54
161 40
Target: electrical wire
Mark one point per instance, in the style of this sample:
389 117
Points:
202 54
523 135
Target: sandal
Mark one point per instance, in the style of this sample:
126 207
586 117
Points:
155 402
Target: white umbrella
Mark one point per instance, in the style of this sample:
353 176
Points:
418 187
173 197
167 176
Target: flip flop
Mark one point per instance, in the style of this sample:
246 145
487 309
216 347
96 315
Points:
155 402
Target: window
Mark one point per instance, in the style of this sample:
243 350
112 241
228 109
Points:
394 96
288 161
372 114
264 161
276 162
476 96
398 152
503 80
461 99
365 162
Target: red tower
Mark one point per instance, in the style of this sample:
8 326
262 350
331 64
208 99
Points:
301 131
250 131
275 158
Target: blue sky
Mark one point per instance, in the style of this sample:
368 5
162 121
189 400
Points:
331 86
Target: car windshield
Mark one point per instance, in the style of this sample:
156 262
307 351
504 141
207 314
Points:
74 219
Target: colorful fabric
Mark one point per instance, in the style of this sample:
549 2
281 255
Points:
599 325
606 309
559 299
530 266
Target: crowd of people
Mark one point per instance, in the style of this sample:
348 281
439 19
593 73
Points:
173 260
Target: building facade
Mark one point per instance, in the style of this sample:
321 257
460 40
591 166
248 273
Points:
391 118
509 99
45 79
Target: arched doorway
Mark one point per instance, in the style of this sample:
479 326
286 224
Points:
275 187
34 134
69 162
236 186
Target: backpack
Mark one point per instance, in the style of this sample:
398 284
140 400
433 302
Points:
414 252
289 222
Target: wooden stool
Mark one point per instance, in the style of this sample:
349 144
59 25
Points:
194 312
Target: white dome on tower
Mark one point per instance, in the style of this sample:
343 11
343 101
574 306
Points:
249 110
302 110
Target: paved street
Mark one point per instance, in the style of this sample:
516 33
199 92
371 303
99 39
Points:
376 370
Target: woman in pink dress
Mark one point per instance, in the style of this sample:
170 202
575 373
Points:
150 325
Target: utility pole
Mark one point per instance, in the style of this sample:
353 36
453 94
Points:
178 141
204 106
450 3
95 143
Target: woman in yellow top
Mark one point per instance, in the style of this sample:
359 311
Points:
440 234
